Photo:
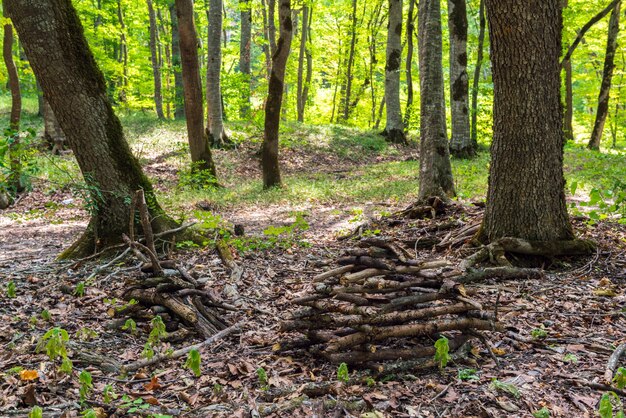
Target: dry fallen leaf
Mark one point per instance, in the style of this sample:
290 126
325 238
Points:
498 351
27 375
153 384
151 400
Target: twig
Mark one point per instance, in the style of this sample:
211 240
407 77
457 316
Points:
613 362
181 352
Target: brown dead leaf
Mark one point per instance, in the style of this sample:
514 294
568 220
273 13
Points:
26 375
498 351
190 399
232 369
28 397
151 400
153 384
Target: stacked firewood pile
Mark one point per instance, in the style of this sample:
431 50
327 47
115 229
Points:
382 304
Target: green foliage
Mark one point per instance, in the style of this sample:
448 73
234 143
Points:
570 358
80 290
157 333
89 413
468 374
609 403
604 204
620 378
55 341
108 394
16 153
86 334
196 178
36 412
130 325
86 385
45 315
134 405
263 378
442 349
11 289
505 387
193 362
542 413
342 373
539 333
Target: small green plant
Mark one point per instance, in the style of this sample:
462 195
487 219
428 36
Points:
505 387
369 381
193 362
542 413
197 179
539 333
610 402
158 330
570 358
343 375
148 351
80 290
130 325
86 334
55 342
604 202
620 378
45 315
11 289
89 413
108 394
36 412
442 350
86 385
468 374
132 406
263 379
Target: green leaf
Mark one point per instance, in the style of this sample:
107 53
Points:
506 387
468 374
343 375
36 412
442 348
573 187
263 379
606 407
193 362
542 413
620 378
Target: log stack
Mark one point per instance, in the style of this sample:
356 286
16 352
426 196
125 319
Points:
381 304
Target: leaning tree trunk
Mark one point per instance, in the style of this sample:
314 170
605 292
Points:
460 143
215 120
394 129
201 157
269 150
607 75
244 55
52 36
435 170
179 101
476 80
526 197
410 29
301 98
156 68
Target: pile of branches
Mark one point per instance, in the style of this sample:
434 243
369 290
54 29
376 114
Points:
381 304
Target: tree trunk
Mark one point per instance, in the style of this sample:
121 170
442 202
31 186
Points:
244 54
123 54
607 75
304 53
15 166
156 68
476 80
179 105
526 197
435 170
569 102
266 46
215 121
192 86
52 36
460 142
39 99
345 111
269 150
410 29
271 25
53 133
394 129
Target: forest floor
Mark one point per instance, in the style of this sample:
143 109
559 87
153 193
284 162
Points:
570 321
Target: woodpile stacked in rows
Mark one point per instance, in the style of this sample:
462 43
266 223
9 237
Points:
381 304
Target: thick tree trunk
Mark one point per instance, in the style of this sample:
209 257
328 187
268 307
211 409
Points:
244 54
192 85
269 150
215 120
526 197
53 133
304 53
435 170
607 75
52 36
179 101
394 129
476 80
410 29
156 68
460 143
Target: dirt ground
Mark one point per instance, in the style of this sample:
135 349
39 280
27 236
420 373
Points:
580 304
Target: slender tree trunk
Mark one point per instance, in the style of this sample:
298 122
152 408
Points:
123 54
410 28
154 55
435 171
53 39
476 80
301 99
39 99
269 150
271 26
15 164
165 48
460 142
394 130
179 106
244 54
266 46
526 197
192 86
347 89
569 102
215 120
607 75
309 64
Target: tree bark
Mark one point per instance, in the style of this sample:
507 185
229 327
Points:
394 129
304 53
410 29
271 26
123 53
569 103
435 171
476 80
15 165
52 36
607 75
460 143
179 105
345 111
156 68
526 197
215 120
192 85
244 54
269 150
266 46
53 133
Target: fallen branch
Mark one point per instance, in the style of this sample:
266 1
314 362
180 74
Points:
613 363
